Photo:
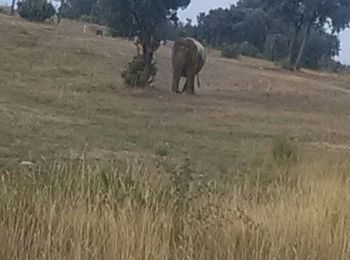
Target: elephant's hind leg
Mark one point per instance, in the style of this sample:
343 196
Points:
176 82
184 87
179 65
189 85
190 77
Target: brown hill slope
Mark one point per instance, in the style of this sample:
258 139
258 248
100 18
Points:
61 91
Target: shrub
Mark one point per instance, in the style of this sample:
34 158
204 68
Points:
248 50
284 150
86 18
90 19
276 46
162 151
261 56
231 51
331 65
36 10
114 33
133 75
5 10
284 63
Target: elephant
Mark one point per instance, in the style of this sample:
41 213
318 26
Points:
188 59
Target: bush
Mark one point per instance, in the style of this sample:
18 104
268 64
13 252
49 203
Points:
86 18
284 150
5 10
231 51
284 63
276 46
248 50
114 32
134 74
261 56
36 10
90 19
331 65
162 150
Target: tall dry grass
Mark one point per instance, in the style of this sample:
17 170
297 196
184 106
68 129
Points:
83 211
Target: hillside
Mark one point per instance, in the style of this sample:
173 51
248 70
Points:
253 167
61 94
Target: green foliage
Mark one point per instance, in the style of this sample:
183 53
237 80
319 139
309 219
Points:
284 63
263 28
232 25
163 150
260 56
36 10
248 50
134 74
5 10
66 10
331 65
245 49
231 51
276 46
88 10
86 18
284 150
274 29
146 20
320 46
303 16
114 33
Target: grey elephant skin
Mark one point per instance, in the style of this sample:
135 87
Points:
188 59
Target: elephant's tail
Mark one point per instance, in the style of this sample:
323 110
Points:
198 81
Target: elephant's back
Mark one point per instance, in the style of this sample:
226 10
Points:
201 52
192 49
200 48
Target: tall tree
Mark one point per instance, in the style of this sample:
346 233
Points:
13 7
144 19
321 46
277 28
305 15
60 12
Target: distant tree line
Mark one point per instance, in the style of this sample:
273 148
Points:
299 32
35 10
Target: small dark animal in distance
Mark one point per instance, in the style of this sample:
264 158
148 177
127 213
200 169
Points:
99 32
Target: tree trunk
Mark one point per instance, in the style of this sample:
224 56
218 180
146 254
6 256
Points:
217 38
13 7
291 47
296 65
148 59
297 28
92 13
272 50
59 15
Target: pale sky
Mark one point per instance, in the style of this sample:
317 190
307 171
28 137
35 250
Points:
198 6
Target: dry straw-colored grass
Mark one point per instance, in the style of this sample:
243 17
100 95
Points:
77 210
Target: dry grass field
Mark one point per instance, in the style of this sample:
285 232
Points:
256 166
